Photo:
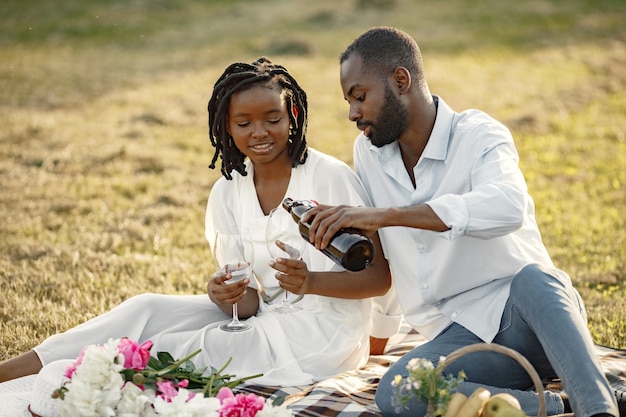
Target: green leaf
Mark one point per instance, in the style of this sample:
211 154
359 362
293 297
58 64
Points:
165 357
278 401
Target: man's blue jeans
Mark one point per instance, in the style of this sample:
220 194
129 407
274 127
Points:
544 320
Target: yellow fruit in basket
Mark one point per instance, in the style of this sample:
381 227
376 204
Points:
454 405
474 405
510 412
499 403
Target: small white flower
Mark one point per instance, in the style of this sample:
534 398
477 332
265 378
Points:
426 364
412 364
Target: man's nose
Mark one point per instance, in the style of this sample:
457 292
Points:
354 114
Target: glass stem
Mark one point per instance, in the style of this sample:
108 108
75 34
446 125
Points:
235 314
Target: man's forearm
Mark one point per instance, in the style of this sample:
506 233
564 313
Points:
419 216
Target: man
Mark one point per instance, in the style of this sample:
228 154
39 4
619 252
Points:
457 224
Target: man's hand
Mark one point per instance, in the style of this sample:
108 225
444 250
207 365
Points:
326 221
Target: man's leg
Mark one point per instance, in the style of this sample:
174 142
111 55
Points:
545 321
486 369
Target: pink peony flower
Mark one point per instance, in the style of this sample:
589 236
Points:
240 405
224 393
135 356
167 390
71 369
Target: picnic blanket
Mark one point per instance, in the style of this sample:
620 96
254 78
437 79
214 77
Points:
351 393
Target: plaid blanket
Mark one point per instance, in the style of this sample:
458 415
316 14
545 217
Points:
351 393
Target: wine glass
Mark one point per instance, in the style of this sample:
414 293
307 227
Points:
283 240
233 252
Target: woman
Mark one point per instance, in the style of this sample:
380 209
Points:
257 120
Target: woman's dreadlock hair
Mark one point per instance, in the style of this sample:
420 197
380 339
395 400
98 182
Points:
241 76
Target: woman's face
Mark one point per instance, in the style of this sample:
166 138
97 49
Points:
259 123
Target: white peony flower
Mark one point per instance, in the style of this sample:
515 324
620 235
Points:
95 387
134 402
182 406
84 400
270 410
101 366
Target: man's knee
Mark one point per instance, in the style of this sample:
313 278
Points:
531 276
384 394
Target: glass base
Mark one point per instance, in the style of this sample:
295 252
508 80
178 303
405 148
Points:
285 308
235 327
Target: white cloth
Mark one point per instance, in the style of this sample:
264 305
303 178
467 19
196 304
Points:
329 336
469 175
386 315
33 392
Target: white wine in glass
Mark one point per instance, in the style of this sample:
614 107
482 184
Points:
233 252
283 241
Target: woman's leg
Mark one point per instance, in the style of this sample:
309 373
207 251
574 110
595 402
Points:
25 364
139 318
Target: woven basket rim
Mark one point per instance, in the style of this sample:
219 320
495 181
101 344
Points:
494 347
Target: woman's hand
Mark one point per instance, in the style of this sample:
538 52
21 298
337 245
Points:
225 294
220 291
293 274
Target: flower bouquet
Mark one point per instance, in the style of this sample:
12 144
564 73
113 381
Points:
426 383
121 378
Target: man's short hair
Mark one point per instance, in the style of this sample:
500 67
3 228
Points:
383 49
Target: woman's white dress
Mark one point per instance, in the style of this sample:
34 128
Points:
328 336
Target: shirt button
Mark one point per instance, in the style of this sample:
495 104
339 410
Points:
421 248
454 315
425 286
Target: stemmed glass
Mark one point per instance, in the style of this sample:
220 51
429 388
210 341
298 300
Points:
283 241
234 253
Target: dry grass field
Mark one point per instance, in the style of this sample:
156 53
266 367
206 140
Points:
104 146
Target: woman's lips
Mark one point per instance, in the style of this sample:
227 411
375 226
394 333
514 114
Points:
261 147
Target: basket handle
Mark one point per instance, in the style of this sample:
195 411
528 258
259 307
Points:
494 347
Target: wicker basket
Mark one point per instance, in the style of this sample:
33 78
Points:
513 354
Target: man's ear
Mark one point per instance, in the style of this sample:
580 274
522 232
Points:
402 79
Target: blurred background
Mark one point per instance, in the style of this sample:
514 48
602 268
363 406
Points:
104 146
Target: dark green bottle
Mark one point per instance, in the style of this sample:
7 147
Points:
351 250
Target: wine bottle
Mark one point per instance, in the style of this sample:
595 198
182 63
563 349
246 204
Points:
351 250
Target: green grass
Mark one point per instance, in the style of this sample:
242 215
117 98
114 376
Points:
104 149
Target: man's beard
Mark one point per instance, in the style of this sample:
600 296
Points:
392 121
